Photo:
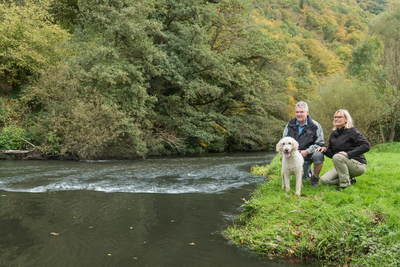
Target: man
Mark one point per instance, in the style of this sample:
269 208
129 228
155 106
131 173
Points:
308 133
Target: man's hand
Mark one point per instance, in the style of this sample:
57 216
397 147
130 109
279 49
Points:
304 153
321 149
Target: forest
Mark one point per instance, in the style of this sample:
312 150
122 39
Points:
136 78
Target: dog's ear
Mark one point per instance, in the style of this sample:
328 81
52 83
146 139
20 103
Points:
279 147
295 145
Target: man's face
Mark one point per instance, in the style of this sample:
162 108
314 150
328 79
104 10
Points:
301 115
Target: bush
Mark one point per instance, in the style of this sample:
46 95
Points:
357 97
76 120
29 41
10 138
87 127
12 110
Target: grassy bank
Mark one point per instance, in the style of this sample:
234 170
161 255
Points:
359 226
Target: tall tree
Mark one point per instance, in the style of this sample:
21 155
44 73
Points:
302 80
29 41
213 90
378 59
166 75
387 27
357 96
105 80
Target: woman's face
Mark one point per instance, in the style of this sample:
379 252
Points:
339 120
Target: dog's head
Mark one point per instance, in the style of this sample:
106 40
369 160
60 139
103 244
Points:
286 146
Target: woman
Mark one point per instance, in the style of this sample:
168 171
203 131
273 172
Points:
346 148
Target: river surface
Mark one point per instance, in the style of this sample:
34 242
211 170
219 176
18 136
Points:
168 211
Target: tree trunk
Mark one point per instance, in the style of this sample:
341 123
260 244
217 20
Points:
382 134
393 123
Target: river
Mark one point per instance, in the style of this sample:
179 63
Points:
166 211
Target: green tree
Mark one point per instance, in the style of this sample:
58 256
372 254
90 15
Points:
163 76
378 59
358 97
98 104
79 117
324 62
387 27
214 88
302 80
29 41
365 59
65 13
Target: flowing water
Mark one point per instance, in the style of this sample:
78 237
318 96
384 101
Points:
168 211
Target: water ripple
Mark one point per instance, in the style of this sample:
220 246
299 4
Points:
210 173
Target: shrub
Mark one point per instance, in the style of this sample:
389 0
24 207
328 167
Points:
87 127
76 120
29 40
10 137
12 110
357 97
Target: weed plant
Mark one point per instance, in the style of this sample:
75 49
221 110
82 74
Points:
359 226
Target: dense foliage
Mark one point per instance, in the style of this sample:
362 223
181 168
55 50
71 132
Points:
29 41
149 77
378 60
359 98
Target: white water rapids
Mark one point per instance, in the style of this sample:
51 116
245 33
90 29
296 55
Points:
211 173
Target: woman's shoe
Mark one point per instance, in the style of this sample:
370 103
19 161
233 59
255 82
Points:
353 180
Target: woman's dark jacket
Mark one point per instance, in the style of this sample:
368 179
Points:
349 140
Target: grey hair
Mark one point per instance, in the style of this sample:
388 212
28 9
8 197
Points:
347 116
302 104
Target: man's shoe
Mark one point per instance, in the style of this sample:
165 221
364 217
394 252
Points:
353 180
314 181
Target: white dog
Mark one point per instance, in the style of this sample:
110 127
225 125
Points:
292 162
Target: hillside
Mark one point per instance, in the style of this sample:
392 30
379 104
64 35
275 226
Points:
320 35
105 79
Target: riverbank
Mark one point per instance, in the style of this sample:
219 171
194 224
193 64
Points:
359 226
37 154
32 155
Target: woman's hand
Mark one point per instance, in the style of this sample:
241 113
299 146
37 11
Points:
321 149
344 154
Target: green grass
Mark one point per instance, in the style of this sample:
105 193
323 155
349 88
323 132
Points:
359 226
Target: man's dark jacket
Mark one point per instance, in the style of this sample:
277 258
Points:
308 136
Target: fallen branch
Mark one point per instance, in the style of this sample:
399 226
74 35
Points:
15 151
29 143
19 151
